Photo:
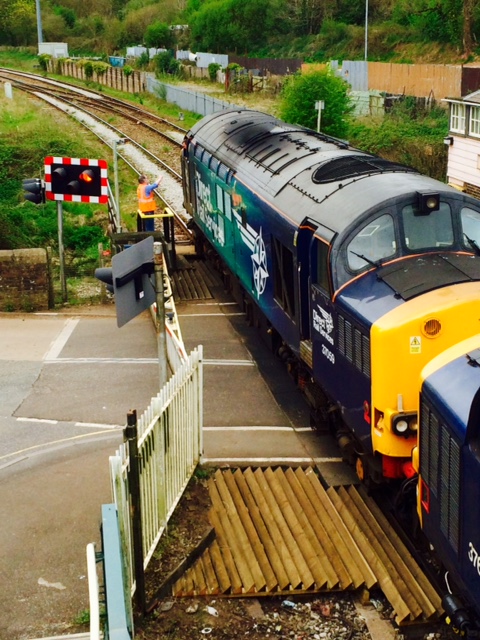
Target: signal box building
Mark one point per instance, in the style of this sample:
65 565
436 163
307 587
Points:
463 140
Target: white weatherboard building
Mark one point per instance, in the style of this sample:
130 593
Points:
463 140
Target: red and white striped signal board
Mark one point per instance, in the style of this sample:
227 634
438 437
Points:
76 179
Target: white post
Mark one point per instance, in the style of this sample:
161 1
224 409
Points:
93 592
366 29
319 106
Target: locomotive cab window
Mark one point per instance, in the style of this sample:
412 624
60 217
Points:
373 243
427 231
283 277
470 229
320 269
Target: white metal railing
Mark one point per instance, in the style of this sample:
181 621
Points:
169 441
93 593
176 353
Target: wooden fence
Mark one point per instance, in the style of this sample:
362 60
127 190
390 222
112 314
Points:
115 77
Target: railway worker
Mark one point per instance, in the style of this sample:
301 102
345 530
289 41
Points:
146 202
185 143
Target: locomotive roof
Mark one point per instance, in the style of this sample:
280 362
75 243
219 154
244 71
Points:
304 173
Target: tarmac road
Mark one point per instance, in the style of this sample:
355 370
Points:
67 382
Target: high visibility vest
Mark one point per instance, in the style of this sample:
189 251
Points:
145 203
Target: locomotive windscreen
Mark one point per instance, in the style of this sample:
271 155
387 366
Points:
425 273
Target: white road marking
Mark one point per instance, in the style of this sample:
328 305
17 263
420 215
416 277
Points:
58 344
97 425
247 428
208 315
212 361
45 445
42 420
267 461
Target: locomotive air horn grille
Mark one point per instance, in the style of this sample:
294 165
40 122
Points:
432 327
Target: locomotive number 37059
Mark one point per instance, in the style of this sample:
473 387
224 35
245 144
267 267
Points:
474 557
328 354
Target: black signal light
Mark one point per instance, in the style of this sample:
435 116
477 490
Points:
34 190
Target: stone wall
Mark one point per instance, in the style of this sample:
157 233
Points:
25 280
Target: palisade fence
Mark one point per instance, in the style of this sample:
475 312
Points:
151 469
186 99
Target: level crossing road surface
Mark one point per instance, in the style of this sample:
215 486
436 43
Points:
67 381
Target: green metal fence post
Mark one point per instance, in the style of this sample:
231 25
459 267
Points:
130 434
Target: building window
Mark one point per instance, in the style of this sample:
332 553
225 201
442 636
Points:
457 117
474 124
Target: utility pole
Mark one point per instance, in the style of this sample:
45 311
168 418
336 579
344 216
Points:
118 219
39 22
160 317
366 30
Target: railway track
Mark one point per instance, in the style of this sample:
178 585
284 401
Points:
150 143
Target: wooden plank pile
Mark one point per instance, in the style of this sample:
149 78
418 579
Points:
280 532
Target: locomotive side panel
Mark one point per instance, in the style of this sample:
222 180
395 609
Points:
449 465
341 356
254 242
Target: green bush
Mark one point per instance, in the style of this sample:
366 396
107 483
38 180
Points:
165 64
301 92
213 67
410 134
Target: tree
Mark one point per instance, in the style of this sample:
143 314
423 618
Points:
21 24
468 10
301 92
68 16
159 35
234 25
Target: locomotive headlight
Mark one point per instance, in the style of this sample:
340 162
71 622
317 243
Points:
428 201
431 203
404 424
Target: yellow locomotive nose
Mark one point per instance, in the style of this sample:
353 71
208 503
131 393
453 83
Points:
410 336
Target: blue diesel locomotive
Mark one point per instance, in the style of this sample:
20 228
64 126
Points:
448 464
359 270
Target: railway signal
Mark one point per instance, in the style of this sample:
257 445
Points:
129 280
34 190
76 179
105 275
